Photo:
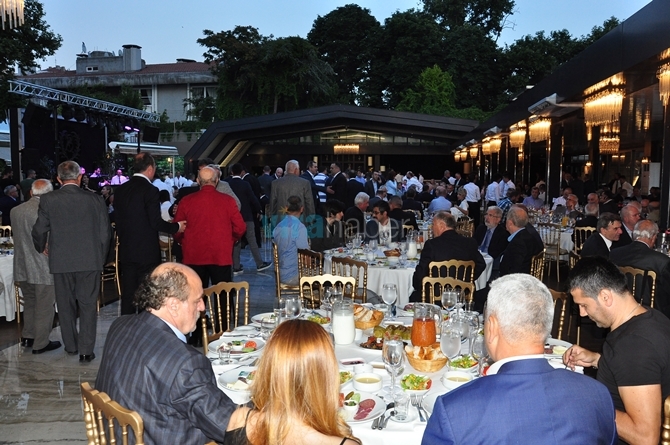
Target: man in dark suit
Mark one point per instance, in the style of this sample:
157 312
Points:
310 172
265 180
258 193
630 215
590 216
355 216
8 201
138 221
353 188
522 392
178 398
404 217
75 224
492 235
607 203
380 196
338 183
641 254
373 184
445 245
410 202
608 231
522 245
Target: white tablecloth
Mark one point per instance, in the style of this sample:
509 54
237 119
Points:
7 298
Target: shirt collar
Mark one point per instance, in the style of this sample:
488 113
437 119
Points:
144 176
607 242
494 368
511 237
176 331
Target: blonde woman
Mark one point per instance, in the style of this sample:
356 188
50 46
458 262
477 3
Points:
296 393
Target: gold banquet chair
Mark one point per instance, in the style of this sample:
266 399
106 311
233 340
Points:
98 405
665 429
465 227
579 237
537 265
551 237
166 247
310 263
640 280
19 301
348 267
459 269
281 288
562 305
312 288
212 296
5 231
432 288
110 272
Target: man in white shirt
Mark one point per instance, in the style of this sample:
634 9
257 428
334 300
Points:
118 179
413 181
506 184
493 191
473 197
563 199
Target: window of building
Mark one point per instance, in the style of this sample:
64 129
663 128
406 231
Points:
91 69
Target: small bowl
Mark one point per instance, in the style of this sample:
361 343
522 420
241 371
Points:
393 246
393 260
454 379
239 347
367 382
559 349
350 406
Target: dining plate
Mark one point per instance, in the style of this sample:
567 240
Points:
556 342
378 410
213 346
232 375
428 402
259 317
310 313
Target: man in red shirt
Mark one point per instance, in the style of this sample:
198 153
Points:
214 225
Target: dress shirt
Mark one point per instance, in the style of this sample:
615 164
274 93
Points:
504 186
415 182
535 203
608 243
560 201
511 237
320 181
176 331
439 203
493 192
504 205
494 368
473 193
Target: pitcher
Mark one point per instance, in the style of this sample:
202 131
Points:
423 328
343 326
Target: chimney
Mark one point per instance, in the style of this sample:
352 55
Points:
132 58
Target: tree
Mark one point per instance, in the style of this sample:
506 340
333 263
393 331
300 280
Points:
488 15
434 94
346 39
22 47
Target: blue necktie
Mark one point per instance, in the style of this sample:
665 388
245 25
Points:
487 239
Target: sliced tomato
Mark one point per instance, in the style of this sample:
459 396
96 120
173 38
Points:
250 344
429 383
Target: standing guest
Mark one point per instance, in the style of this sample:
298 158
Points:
137 212
178 398
31 273
630 215
492 235
440 202
625 185
7 178
373 184
26 183
330 233
473 198
169 181
258 193
338 183
493 191
445 245
360 177
295 402
310 175
251 210
533 201
391 184
208 248
179 180
289 236
641 254
9 200
290 185
119 178
72 217
355 216
609 231
265 180
634 363
522 246
447 178
279 173
382 223
320 180
413 181
522 393
353 188
458 180
506 184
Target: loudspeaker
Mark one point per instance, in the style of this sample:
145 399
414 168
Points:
150 134
35 116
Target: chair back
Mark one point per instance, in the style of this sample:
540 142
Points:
465 226
279 286
537 266
166 247
406 228
573 258
550 234
665 429
310 263
562 303
213 295
312 288
5 231
642 284
461 270
98 405
580 235
432 288
348 267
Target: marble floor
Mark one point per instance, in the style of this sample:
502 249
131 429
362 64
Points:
40 400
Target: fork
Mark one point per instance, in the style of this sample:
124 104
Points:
416 402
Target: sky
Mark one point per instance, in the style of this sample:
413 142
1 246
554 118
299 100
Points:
168 29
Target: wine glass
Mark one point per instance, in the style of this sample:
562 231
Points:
224 353
293 307
450 340
350 245
373 245
393 357
478 350
389 295
384 238
449 299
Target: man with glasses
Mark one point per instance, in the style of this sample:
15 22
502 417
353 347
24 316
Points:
381 224
609 231
492 236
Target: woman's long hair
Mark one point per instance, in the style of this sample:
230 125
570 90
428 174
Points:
297 381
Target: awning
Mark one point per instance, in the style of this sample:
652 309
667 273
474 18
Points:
130 148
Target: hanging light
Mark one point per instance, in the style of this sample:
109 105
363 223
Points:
603 101
664 77
520 155
539 129
473 151
12 13
457 156
609 139
517 135
464 154
496 143
486 147
346 149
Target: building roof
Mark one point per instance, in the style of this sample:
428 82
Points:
157 68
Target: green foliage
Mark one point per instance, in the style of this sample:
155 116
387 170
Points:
126 96
22 47
487 15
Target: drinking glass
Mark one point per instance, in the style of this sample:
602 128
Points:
389 295
280 310
293 307
268 325
358 240
401 401
478 351
224 353
373 246
384 238
450 340
393 357
350 245
449 299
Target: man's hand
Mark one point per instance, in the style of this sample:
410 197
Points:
330 190
578 356
182 226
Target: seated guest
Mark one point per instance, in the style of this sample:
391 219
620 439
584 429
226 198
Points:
654 211
381 222
461 207
634 362
428 193
492 235
440 202
445 245
533 201
451 195
289 236
148 367
329 227
608 230
641 254
590 218
8 201
380 196
607 203
508 201
296 392
563 199
522 245
630 215
400 215
571 207
522 393
410 202
355 216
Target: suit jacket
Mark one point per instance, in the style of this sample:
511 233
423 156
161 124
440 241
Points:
519 253
353 188
587 221
524 403
448 246
595 246
255 185
138 220
498 242
404 217
30 266
609 206
355 217
339 185
372 230
624 239
266 183
147 368
250 204
412 204
315 188
287 186
370 187
7 203
638 254
76 225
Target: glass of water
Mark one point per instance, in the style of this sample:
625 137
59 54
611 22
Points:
293 307
450 340
389 295
268 325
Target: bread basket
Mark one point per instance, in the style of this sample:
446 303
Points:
426 365
375 318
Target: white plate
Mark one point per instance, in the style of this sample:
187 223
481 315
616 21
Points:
231 377
378 410
429 401
556 342
259 317
419 392
412 414
213 346
305 316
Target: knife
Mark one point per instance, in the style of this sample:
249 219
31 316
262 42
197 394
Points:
386 421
